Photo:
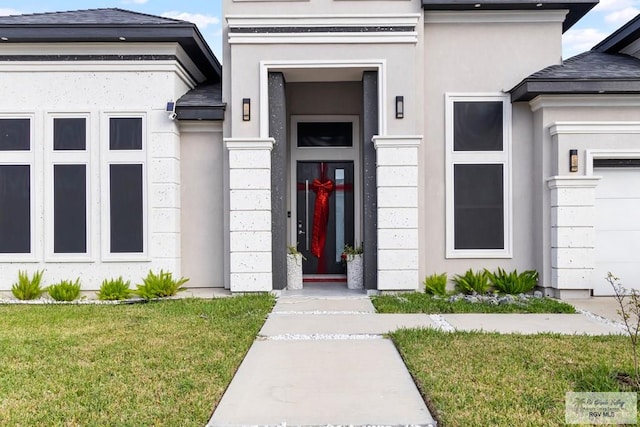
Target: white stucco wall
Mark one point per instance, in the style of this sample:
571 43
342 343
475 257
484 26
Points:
488 56
96 90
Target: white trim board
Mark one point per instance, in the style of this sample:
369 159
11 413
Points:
378 65
478 157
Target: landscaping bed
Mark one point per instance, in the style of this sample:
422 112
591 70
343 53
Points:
481 379
424 303
160 363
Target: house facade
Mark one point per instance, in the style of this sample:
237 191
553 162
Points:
440 136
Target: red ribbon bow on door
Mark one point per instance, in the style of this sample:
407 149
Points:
320 215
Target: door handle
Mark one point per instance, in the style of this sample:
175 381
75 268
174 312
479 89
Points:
300 228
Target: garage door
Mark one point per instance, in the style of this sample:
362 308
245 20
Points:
617 224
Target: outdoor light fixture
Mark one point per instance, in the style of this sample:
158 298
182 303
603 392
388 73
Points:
573 160
246 109
399 107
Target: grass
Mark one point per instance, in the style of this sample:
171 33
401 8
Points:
161 363
480 379
422 303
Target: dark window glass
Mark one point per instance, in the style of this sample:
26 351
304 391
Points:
477 126
70 209
125 134
126 208
479 206
15 135
324 134
69 134
15 209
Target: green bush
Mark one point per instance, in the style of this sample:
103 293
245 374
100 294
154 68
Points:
159 285
471 282
27 289
114 289
66 290
436 284
513 283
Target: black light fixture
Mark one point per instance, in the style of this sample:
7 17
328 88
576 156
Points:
573 160
399 107
246 109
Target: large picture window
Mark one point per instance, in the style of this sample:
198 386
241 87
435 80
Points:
69 166
16 187
124 188
478 176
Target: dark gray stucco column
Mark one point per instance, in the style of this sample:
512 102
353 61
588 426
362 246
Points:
370 220
278 131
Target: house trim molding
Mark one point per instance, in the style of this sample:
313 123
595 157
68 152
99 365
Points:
378 65
506 16
558 101
335 29
579 128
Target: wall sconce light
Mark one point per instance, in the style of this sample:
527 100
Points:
246 109
573 160
399 107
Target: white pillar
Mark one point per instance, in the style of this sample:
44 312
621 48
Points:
572 234
397 180
250 214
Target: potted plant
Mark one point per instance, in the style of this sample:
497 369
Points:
294 268
355 269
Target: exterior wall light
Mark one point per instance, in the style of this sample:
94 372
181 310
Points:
573 160
246 109
399 107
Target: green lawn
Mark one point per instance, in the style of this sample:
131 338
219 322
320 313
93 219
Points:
161 363
422 303
480 379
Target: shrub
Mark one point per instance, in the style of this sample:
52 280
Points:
66 290
436 284
513 283
472 282
159 285
629 312
27 289
114 289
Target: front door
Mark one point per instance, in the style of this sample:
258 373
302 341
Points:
325 214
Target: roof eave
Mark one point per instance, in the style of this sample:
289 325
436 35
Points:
529 89
622 37
577 9
208 113
187 35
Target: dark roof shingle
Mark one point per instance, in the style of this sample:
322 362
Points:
589 72
203 102
104 16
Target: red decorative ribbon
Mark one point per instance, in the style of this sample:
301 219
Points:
320 215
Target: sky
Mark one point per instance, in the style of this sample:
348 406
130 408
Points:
601 21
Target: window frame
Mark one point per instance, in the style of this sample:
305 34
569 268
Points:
478 158
24 157
134 157
67 157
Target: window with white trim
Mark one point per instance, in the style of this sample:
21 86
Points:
17 162
68 163
124 188
478 176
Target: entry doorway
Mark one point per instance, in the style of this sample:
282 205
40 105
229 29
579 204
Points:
325 195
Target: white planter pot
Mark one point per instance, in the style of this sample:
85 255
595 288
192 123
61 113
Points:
294 271
355 270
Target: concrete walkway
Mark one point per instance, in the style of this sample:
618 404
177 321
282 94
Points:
321 358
